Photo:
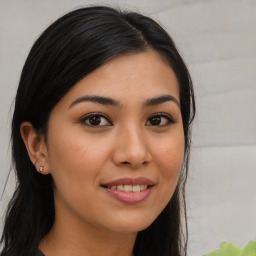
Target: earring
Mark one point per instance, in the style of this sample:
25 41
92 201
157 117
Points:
41 168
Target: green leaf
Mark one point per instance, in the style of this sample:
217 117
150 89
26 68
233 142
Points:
214 253
229 249
249 249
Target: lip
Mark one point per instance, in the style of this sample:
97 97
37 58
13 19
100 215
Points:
129 197
130 181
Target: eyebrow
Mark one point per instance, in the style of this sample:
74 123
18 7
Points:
96 99
160 100
109 101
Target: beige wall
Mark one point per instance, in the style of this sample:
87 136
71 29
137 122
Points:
218 41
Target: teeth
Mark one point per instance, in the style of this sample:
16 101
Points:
130 188
120 187
136 188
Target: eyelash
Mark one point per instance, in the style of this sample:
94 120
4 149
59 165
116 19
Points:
169 119
84 119
87 117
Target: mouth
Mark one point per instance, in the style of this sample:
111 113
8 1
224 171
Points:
129 190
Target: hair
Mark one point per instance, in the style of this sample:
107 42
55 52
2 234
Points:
69 49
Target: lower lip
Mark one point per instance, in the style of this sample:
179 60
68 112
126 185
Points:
129 197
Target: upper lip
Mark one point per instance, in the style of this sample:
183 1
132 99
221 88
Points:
130 181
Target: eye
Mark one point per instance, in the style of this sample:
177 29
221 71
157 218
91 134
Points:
160 119
96 119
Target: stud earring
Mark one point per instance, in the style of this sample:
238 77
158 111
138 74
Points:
41 168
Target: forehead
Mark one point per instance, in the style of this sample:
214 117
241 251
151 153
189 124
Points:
128 78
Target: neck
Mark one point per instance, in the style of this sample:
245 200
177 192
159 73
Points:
73 238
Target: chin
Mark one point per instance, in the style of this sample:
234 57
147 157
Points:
132 225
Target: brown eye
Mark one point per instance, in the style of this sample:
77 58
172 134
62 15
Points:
155 120
96 120
160 120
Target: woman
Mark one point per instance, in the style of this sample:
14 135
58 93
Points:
100 140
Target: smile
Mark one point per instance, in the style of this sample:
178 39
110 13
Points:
129 190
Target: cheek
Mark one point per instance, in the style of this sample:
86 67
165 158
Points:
75 158
75 163
170 157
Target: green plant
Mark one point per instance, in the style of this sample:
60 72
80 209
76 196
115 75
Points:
229 249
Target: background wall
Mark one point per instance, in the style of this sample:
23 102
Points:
217 38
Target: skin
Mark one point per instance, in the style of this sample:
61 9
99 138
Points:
81 157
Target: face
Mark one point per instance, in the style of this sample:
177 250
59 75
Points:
115 144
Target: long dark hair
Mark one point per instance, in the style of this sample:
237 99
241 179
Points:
68 50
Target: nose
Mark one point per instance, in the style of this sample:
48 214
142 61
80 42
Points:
131 148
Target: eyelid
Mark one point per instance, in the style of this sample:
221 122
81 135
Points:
170 119
87 116
83 119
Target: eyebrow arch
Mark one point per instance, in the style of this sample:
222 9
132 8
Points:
108 101
96 99
160 100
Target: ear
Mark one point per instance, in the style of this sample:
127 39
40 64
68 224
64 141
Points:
36 147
